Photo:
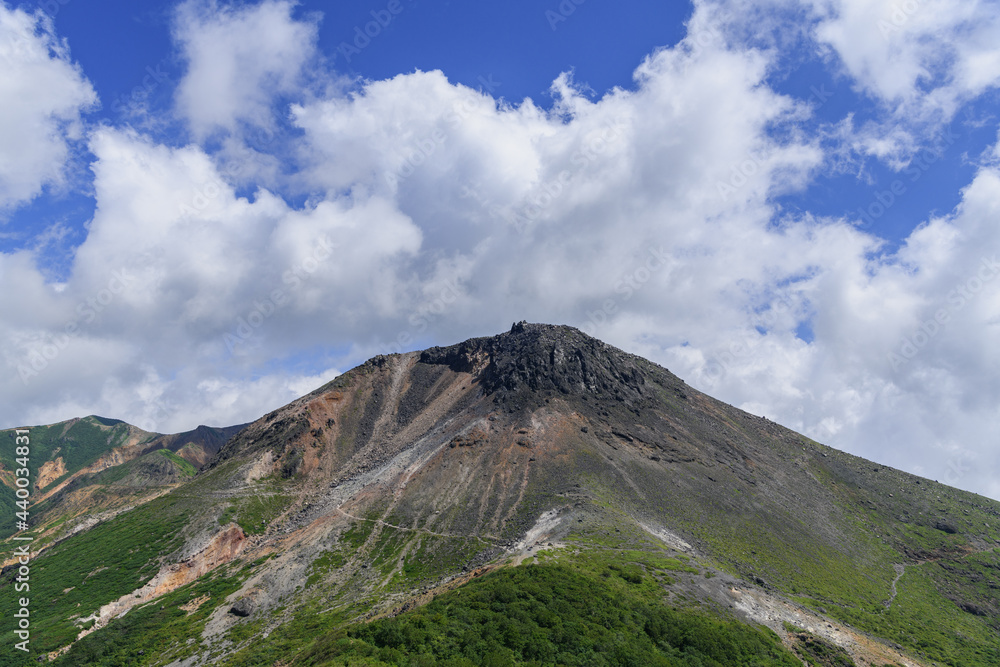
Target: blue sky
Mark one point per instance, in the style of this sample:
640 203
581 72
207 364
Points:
210 208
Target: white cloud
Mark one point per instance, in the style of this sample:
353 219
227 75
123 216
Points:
904 359
43 95
435 213
921 58
239 58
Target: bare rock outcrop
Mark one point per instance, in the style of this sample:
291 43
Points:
222 548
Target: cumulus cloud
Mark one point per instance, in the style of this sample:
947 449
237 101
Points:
239 58
924 57
178 272
434 212
44 94
921 59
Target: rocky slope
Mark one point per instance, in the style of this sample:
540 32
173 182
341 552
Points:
412 473
86 470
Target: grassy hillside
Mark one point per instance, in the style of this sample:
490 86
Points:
550 615
79 442
72 579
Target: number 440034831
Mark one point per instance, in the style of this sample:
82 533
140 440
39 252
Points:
22 452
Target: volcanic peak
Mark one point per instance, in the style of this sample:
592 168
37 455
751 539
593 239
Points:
544 358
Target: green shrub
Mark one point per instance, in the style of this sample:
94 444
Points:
549 614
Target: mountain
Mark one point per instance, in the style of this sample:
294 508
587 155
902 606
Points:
535 497
85 470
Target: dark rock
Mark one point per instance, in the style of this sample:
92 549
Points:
536 358
243 607
973 609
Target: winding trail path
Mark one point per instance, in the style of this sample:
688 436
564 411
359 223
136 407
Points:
900 571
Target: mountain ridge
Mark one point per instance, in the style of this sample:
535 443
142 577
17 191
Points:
414 473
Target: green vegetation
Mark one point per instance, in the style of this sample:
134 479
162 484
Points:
929 624
78 443
186 468
548 615
325 564
629 479
432 557
147 470
161 628
8 510
73 579
255 513
816 651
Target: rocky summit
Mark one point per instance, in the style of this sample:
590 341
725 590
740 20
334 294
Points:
536 497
